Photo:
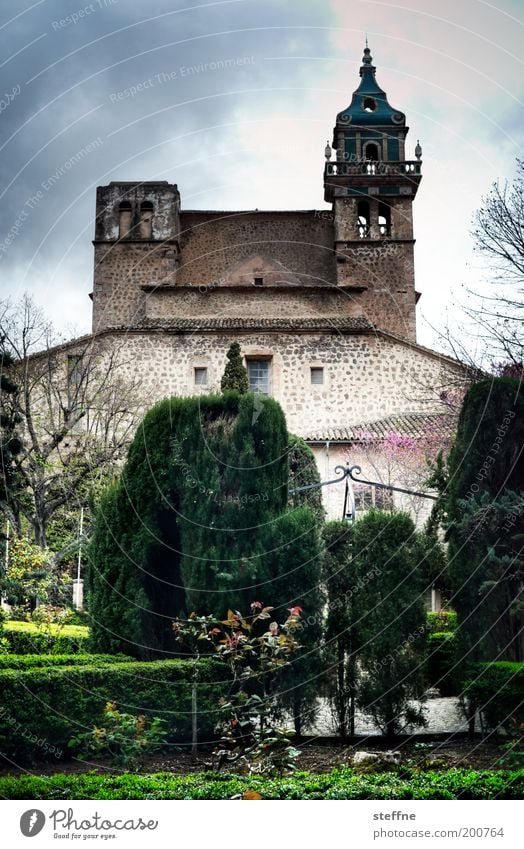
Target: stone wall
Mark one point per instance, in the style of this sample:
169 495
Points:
366 376
250 302
213 243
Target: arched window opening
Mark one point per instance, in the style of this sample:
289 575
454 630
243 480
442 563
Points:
146 220
384 219
369 104
125 219
372 152
363 219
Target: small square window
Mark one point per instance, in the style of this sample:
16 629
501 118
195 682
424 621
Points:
317 375
258 281
201 376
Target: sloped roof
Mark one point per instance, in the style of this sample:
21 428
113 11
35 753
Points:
355 324
415 425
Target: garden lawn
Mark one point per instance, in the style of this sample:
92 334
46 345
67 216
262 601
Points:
54 630
338 784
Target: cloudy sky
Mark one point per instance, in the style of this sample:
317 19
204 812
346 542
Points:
129 90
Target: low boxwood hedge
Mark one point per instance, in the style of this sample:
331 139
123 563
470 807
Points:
29 661
339 784
497 691
28 638
441 667
41 708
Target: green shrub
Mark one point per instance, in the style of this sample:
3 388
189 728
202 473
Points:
343 784
56 704
30 661
29 638
497 691
442 660
444 620
123 737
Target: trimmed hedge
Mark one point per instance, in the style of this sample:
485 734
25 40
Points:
28 638
443 620
442 657
339 784
29 661
497 691
53 705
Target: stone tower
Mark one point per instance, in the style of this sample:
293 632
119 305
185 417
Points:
372 186
137 245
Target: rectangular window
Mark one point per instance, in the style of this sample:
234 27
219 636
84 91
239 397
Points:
372 496
258 281
200 376
317 375
258 375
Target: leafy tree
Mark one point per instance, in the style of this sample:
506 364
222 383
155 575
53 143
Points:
234 378
486 523
392 620
32 577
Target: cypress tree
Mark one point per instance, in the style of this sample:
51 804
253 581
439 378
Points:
294 556
187 526
485 517
391 619
303 471
234 378
340 581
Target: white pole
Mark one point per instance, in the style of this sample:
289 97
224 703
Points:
80 545
78 585
7 545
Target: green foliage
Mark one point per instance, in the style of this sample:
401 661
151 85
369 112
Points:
295 561
123 737
485 507
392 619
441 621
254 653
30 661
31 638
190 521
495 689
33 577
443 663
303 471
55 704
235 377
338 784
342 636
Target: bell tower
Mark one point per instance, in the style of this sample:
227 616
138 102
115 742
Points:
372 186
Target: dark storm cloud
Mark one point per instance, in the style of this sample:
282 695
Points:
114 89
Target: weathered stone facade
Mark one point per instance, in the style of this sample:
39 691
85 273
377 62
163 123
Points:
322 300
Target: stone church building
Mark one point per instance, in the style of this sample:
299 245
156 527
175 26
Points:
322 302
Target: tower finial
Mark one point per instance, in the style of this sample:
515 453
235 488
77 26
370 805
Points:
367 58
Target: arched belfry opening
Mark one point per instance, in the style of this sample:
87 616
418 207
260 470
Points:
125 219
